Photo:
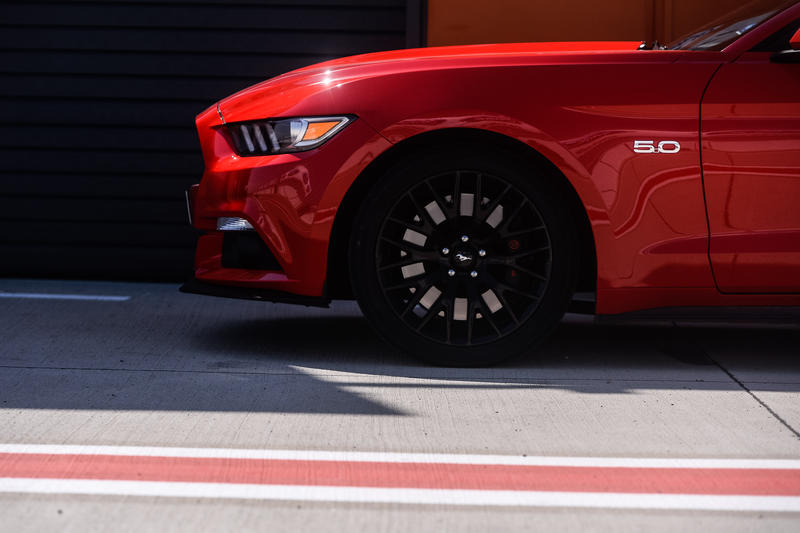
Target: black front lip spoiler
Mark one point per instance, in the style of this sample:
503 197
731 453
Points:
195 286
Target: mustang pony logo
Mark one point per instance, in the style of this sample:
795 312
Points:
463 258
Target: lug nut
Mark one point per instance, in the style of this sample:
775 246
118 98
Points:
473 274
464 238
482 253
445 251
451 272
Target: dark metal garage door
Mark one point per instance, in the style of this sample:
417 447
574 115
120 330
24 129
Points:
97 106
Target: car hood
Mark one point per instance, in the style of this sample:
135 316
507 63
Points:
311 90
479 51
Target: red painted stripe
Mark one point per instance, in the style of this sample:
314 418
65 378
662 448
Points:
772 482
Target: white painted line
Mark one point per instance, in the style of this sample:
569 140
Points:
392 457
403 496
45 296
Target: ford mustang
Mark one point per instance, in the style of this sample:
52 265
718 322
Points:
468 196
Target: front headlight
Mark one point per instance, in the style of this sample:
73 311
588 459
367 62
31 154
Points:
281 136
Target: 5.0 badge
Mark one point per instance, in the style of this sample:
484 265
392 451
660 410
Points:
650 147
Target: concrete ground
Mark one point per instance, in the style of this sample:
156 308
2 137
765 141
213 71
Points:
169 369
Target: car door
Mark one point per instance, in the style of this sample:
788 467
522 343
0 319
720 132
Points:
750 139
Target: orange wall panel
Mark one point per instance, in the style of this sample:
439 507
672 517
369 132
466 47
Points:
679 17
471 21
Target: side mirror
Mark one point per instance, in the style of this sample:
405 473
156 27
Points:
789 56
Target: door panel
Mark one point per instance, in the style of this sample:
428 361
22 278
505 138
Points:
750 131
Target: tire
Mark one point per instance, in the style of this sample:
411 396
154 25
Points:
467 278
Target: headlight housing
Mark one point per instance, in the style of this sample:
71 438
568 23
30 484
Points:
281 136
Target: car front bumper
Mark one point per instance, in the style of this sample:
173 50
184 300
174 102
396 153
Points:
291 201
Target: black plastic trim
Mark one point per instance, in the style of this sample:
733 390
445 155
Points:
245 249
730 314
195 286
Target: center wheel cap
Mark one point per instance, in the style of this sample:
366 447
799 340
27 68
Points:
463 258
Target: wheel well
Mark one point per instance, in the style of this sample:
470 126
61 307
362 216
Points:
338 276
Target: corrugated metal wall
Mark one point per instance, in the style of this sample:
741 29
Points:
97 107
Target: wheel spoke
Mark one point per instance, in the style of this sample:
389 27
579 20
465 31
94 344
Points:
414 254
507 306
409 248
528 253
410 225
505 287
414 301
514 214
493 204
478 195
440 201
470 319
513 258
432 312
457 190
448 315
530 273
428 223
457 193
487 314
405 284
525 231
400 264
510 263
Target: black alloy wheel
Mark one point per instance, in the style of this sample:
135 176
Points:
461 259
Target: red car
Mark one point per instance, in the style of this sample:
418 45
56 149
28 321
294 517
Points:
464 195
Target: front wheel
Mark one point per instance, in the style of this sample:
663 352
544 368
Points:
463 259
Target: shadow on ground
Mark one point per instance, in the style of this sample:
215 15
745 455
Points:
319 362
347 343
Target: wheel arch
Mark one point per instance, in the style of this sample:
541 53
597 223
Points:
337 275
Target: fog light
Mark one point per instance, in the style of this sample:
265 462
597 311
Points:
233 224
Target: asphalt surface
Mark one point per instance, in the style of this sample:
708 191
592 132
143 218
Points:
152 367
